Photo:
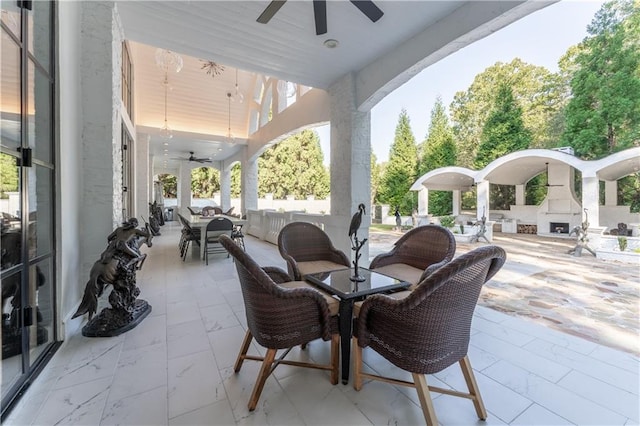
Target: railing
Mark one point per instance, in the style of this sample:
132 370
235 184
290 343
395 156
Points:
266 224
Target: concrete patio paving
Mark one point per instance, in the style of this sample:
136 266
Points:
176 367
591 298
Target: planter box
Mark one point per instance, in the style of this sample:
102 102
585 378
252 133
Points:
620 256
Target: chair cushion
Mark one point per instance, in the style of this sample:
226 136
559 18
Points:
315 266
397 295
403 272
333 303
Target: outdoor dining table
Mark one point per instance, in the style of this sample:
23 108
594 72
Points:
338 283
201 222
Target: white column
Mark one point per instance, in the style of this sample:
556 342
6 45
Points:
610 192
143 176
152 173
590 199
98 90
350 165
520 200
482 197
423 202
457 202
225 186
184 185
249 184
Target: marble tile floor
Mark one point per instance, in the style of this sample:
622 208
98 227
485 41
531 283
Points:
176 367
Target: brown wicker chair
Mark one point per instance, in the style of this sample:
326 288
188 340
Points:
281 314
308 250
417 254
211 211
429 329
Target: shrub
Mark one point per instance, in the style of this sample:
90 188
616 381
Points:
622 243
447 221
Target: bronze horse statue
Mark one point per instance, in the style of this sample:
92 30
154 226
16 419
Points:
117 266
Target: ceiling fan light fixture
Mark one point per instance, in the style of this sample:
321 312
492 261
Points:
331 43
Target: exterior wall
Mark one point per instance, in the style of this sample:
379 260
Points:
610 216
90 198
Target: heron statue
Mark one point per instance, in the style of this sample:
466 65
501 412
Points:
356 244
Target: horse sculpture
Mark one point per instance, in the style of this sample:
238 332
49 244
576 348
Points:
117 266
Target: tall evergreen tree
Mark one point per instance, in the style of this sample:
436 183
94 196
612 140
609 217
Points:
541 94
236 180
400 171
438 150
205 181
169 185
294 167
603 116
504 130
503 133
375 177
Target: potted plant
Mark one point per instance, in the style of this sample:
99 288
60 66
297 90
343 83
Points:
622 243
447 221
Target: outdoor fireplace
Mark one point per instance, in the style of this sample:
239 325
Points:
559 227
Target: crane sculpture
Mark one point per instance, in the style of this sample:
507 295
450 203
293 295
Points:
356 245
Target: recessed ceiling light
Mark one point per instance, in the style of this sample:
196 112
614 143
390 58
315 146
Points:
219 149
166 144
331 43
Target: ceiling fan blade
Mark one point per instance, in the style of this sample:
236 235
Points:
270 10
367 7
320 15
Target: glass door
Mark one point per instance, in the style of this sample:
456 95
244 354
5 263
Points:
26 191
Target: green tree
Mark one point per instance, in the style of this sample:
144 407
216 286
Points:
504 131
236 180
8 175
438 150
375 177
541 94
205 181
169 185
603 116
400 172
294 167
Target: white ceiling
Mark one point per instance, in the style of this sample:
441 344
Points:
383 55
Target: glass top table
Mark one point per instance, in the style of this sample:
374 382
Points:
338 283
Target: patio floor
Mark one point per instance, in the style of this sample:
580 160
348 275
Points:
176 367
584 296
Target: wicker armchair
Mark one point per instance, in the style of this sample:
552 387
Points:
429 329
417 254
281 314
211 211
308 250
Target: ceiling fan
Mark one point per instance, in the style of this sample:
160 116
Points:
192 157
367 7
547 185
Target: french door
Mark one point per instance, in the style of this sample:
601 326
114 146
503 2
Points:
27 270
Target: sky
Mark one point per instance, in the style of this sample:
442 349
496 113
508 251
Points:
540 38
